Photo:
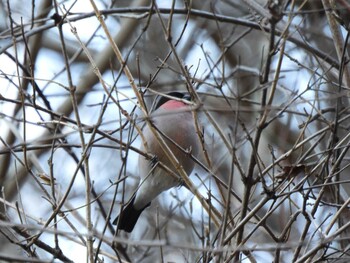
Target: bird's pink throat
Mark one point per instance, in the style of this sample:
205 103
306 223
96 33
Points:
173 104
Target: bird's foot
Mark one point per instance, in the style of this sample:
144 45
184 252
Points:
154 161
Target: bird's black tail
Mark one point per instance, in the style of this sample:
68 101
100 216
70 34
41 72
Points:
128 216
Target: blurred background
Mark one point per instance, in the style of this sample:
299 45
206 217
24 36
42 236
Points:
270 85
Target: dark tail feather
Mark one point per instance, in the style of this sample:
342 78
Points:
128 216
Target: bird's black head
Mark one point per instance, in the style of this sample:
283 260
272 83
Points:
161 99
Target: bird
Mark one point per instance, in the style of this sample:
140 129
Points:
174 120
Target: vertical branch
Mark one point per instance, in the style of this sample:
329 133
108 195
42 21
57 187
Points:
72 91
338 40
249 180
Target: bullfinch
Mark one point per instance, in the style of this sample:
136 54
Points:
174 121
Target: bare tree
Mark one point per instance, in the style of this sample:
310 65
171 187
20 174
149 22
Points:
269 82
